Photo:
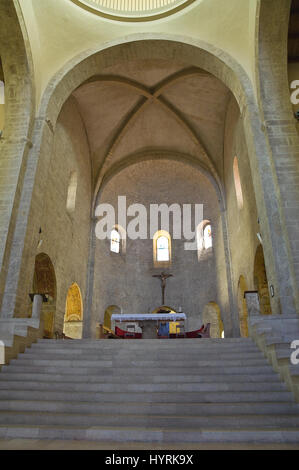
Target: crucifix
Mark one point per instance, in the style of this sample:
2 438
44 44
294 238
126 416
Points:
163 276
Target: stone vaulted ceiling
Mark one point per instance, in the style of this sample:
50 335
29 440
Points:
153 105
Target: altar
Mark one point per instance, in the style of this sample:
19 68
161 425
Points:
148 322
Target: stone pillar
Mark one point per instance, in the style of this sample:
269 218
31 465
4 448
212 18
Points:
90 323
252 303
37 305
19 113
282 138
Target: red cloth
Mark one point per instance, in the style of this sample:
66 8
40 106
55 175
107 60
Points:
127 334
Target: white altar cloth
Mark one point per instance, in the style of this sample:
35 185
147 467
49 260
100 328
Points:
148 316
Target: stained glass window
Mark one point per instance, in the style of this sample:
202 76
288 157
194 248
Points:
162 248
207 236
115 241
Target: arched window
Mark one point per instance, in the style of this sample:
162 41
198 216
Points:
72 192
207 236
162 248
115 241
204 239
237 181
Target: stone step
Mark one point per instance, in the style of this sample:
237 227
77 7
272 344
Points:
145 434
140 344
163 409
117 371
241 341
150 397
67 419
271 377
120 363
197 390
281 338
149 387
139 355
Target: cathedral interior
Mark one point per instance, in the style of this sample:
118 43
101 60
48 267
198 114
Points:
130 107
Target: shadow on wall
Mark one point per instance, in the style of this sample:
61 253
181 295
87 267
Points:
44 282
261 282
211 314
73 318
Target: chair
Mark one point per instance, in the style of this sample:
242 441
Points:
203 332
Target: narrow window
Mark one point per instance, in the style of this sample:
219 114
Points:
162 248
72 191
2 94
2 106
207 237
238 187
115 241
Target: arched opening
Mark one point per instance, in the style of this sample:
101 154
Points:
200 57
115 241
207 237
107 317
211 314
162 249
73 318
118 240
242 307
44 282
261 282
204 239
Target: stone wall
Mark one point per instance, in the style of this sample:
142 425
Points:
242 222
64 236
16 71
126 280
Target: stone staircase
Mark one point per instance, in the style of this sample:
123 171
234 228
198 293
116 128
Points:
146 391
274 335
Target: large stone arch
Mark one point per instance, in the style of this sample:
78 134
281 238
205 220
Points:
196 53
15 141
280 131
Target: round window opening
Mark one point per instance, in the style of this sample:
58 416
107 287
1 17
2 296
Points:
133 10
